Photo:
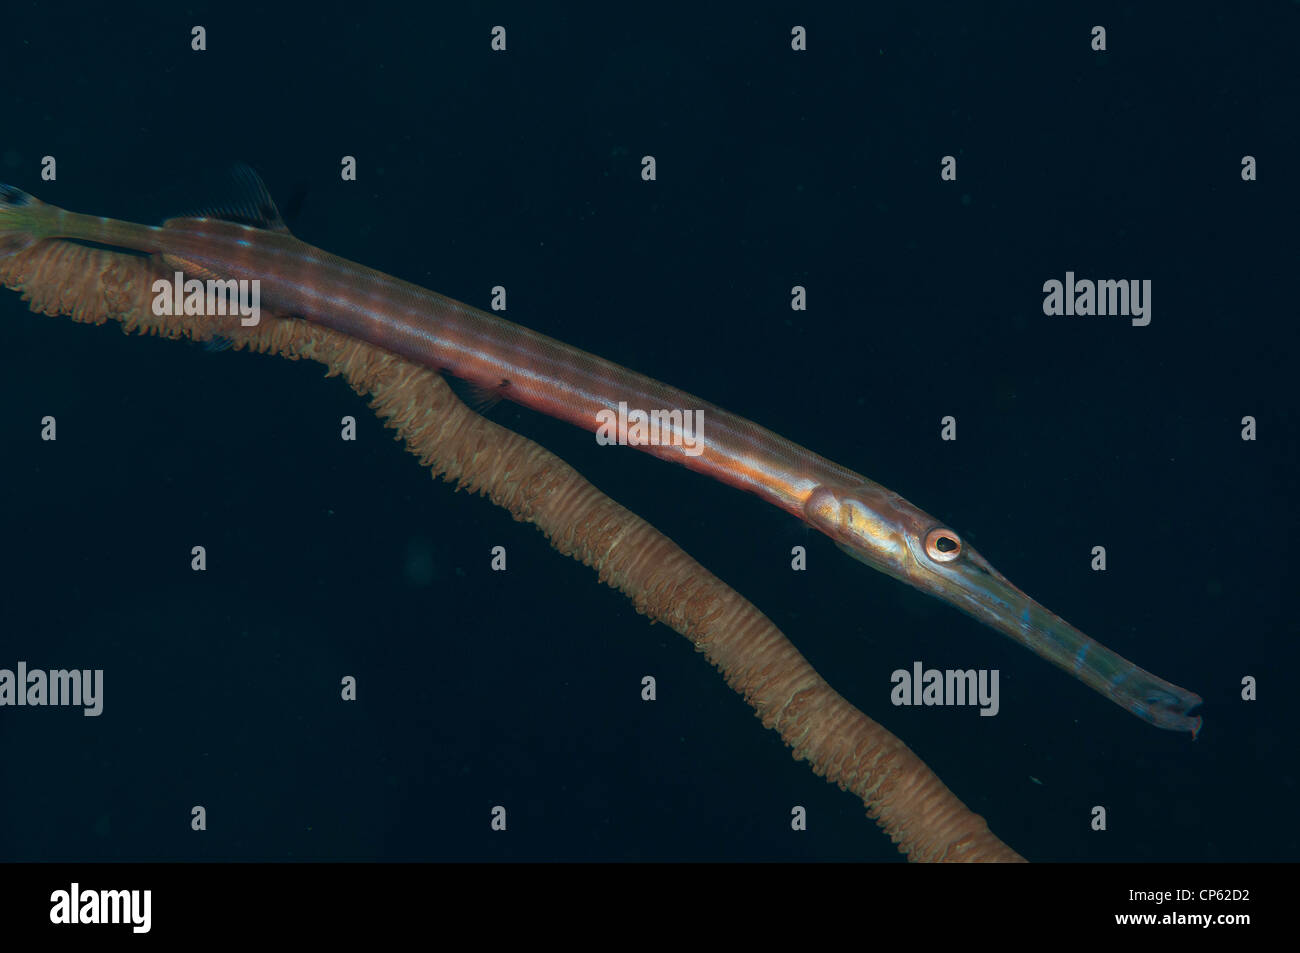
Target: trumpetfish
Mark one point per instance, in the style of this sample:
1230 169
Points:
249 242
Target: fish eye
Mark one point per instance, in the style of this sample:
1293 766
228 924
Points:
942 545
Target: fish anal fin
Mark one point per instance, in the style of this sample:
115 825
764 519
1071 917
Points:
191 269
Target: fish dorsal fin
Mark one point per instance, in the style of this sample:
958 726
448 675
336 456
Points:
240 197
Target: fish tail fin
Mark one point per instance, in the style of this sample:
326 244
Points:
19 220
